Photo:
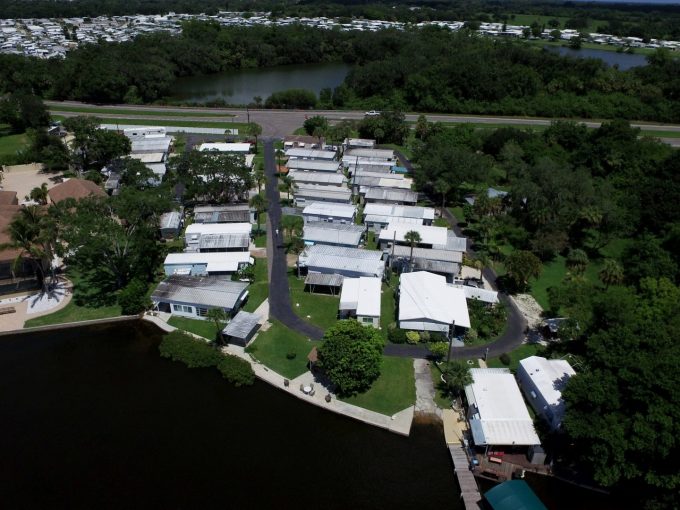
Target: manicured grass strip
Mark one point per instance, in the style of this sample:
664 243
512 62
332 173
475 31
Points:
134 111
387 309
271 347
318 309
74 313
440 397
206 328
258 291
169 122
11 144
394 390
523 351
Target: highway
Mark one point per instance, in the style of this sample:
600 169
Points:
278 123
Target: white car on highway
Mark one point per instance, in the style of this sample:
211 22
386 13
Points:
372 113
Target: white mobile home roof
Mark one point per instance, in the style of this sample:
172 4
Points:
332 233
360 142
484 295
384 154
328 193
342 260
361 294
313 164
401 211
328 209
353 161
392 195
226 261
218 228
499 411
210 291
549 376
435 236
152 157
425 296
241 148
151 145
428 254
327 178
310 154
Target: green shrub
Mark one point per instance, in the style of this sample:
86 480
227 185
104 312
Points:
412 337
505 359
179 346
132 298
291 355
395 334
471 335
439 350
424 336
236 371
437 336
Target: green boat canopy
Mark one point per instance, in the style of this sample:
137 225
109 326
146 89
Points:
513 495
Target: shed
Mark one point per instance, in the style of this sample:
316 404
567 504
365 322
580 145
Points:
241 328
170 224
332 281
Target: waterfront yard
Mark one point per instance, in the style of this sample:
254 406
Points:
318 309
394 390
75 313
206 328
281 349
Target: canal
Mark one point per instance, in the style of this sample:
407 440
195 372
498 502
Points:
240 87
623 61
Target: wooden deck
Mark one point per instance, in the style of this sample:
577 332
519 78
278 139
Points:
469 492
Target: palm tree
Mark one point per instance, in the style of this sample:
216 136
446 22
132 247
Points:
219 317
259 203
279 155
577 261
442 187
259 177
457 376
39 194
254 129
319 133
289 184
412 237
611 273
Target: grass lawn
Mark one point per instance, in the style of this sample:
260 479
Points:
387 308
271 346
11 144
458 213
440 397
206 329
371 243
441 222
394 391
134 111
259 289
318 309
178 123
74 313
523 351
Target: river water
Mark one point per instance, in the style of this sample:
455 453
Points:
93 417
239 87
623 61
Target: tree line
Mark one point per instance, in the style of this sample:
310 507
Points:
421 70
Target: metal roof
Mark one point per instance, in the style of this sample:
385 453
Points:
151 145
386 154
392 195
310 154
436 266
328 280
241 148
329 178
334 210
484 295
425 296
226 261
549 376
400 211
437 237
223 241
333 233
218 228
455 243
206 291
311 191
342 260
428 254
498 406
242 325
313 164
151 157
361 294
170 220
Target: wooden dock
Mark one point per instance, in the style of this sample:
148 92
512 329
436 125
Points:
453 433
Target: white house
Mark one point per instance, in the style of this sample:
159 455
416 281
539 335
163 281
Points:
439 238
306 193
192 296
311 154
234 148
375 195
542 381
348 262
332 213
360 299
380 215
428 303
321 178
334 234
197 264
235 235
313 165
497 413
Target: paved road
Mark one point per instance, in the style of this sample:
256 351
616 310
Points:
279 292
279 123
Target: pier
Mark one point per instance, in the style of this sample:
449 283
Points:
453 434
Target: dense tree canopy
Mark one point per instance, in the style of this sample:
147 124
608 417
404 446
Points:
351 356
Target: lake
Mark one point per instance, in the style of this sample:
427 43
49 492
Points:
93 417
238 87
624 61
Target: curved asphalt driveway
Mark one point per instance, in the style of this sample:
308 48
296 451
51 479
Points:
279 292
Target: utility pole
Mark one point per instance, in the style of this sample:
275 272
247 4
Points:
451 330
248 114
